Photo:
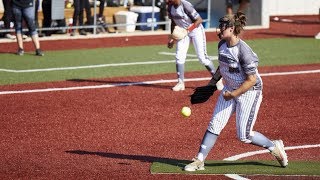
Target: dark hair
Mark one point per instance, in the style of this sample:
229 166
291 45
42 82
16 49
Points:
240 21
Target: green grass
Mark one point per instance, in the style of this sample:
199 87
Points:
270 51
239 167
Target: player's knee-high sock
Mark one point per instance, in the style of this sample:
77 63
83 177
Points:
209 139
210 68
259 139
180 72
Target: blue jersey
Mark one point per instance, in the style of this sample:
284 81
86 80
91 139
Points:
236 63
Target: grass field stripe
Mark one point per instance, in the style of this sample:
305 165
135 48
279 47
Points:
252 153
138 83
92 66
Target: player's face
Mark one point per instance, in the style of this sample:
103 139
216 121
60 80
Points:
225 31
228 32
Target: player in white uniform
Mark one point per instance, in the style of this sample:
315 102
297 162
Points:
242 94
183 14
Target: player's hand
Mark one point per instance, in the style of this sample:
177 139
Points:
170 43
227 95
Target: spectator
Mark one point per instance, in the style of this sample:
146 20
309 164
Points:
101 8
79 5
24 9
46 11
243 5
162 4
7 17
37 3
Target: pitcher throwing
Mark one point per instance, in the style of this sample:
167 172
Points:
242 94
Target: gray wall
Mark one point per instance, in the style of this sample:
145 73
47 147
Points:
218 9
253 13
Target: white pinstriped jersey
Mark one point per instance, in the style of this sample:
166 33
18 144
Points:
184 15
236 63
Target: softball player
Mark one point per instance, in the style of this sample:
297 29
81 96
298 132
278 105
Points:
183 14
242 94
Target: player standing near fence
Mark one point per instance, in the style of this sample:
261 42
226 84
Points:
183 15
25 10
242 94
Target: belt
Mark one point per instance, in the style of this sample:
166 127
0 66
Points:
253 88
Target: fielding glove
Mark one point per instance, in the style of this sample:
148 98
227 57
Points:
202 94
179 33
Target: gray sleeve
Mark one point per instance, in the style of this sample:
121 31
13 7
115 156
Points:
190 11
248 59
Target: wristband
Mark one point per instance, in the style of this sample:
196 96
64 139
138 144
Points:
191 27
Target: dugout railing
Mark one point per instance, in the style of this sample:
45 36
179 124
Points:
210 10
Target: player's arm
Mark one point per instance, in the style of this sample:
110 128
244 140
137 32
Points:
215 78
195 24
245 86
193 15
249 63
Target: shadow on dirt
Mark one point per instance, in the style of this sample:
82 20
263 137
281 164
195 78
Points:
170 161
142 158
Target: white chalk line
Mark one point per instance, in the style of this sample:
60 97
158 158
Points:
105 65
91 66
140 83
252 153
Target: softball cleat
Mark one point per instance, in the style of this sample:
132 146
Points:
279 153
179 87
195 165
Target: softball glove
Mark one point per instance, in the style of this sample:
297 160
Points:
179 33
202 94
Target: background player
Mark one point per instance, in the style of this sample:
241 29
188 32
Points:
183 14
242 94
243 5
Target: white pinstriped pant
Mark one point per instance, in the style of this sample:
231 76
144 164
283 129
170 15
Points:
246 107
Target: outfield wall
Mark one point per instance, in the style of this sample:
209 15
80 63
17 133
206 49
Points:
293 7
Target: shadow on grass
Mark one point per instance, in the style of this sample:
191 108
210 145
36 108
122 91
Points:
246 163
123 83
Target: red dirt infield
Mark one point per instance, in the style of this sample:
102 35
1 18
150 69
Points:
116 133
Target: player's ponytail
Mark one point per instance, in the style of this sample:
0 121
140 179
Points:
240 21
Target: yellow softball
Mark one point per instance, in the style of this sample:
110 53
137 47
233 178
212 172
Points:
186 111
